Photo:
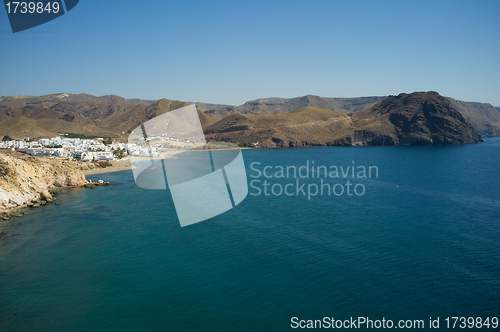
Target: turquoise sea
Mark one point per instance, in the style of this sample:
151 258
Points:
422 241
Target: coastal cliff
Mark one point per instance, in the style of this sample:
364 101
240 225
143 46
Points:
26 180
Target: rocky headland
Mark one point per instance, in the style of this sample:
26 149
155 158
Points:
27 181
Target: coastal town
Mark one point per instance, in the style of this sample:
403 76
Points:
103 149
81 149
27 181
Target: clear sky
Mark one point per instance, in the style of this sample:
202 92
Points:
234 51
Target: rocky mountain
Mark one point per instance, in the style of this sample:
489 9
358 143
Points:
106 116
272 105
141 101
484 117
302 127
126 121
420 118
307 120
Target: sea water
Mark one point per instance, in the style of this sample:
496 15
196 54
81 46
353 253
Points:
420 242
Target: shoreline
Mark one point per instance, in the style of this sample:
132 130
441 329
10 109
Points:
126 164
117 166
27 181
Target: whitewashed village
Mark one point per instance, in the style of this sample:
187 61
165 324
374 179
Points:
101 149
76 148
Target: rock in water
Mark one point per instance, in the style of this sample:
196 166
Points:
45 195
71 182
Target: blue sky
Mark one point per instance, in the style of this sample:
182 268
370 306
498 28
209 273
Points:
234 51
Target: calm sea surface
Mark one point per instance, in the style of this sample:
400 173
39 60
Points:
422 241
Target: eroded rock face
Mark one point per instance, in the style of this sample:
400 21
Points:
65 182
25 179
426 118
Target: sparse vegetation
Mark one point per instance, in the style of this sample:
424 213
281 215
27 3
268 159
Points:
227 125
4 169
246 144
6 138
73 135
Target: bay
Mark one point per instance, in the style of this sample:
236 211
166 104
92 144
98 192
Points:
420 242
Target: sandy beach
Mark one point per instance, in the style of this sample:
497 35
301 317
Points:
118 165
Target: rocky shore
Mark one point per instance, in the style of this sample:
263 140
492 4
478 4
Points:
27 181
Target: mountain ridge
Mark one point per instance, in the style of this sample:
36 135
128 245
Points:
274 104
419 118
115 116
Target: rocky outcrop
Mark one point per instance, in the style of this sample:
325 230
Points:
28 180
65 182
45 195
92 185
419 118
